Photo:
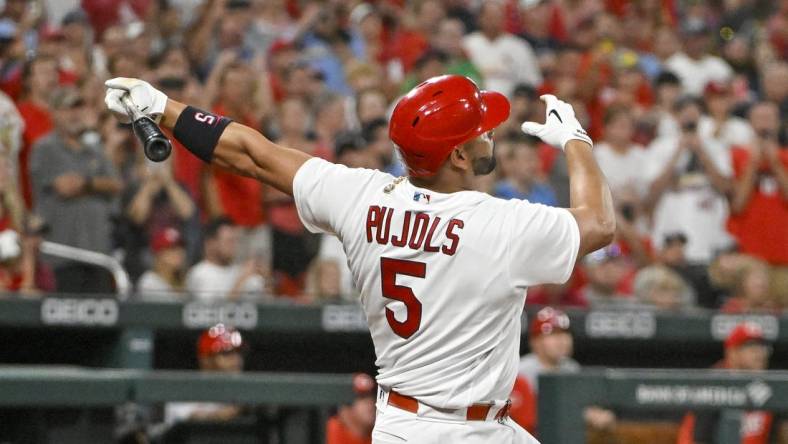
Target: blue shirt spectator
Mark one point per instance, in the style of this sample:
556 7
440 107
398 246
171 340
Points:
536 193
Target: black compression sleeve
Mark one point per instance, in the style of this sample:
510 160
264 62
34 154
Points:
199 131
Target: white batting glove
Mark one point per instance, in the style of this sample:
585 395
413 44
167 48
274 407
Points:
147 99
560 124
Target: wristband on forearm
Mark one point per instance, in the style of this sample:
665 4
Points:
199 131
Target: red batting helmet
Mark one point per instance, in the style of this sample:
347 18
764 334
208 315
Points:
218 339
440 114
547 321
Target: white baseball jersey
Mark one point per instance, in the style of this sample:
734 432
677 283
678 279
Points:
441 276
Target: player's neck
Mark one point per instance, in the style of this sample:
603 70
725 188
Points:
445 181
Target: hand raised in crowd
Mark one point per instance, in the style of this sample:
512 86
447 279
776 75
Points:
770 150
70 184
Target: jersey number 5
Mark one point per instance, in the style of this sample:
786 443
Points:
389 269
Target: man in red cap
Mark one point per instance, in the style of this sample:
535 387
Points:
353 423
551 351
218 350
441 270
745 349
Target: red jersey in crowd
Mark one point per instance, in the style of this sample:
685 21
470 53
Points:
760 226
241 197
38 123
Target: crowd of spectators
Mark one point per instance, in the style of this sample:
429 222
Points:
687 102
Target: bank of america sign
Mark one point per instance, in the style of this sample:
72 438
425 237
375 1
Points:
755 394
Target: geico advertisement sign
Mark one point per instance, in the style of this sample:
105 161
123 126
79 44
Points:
620 324
202 315
73 311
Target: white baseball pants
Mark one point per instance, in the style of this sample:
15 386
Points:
397 426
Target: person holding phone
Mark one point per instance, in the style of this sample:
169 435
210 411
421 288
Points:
689 181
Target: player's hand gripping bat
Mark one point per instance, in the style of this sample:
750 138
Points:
157 146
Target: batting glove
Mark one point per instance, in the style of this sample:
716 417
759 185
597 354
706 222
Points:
560 124
147 99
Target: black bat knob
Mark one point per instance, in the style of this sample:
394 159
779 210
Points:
157 146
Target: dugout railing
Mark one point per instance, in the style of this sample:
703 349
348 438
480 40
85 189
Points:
564 396
301 401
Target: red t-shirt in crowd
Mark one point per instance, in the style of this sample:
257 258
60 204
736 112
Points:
407 46
241 197
337 433
186 168
38 123
760 227
104 13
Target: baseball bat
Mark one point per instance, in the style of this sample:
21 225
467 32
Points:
156 145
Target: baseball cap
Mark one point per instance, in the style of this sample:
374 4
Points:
280 45
363 385
717 87
51 33
165 238
744 333
218 339
548 320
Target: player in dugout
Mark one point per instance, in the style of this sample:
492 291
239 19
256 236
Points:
747 349
219 349
353 423
440 268
551 343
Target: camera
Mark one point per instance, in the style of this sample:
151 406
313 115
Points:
689 127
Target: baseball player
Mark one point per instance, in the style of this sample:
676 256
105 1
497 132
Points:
440 269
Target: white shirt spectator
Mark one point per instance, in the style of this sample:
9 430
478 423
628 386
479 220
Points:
623 170
695 74
667 126
693 206
503 62
734 132
331 249
151 286
208 281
